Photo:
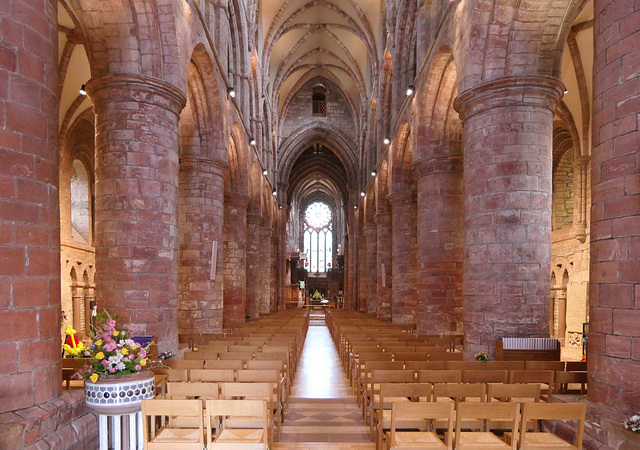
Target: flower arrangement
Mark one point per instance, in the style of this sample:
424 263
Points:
165 355
63 318
113 352
316 295
482 356
633 423
72 344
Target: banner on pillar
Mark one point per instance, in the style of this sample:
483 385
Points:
214 258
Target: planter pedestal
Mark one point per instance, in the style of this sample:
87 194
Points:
118 401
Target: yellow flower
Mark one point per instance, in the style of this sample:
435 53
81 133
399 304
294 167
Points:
99 355
115 333
143 362
98 342
94 377
124 351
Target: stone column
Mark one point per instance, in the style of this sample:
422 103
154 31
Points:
614 334
403 248
507 203
371 273
350 261
253 265
580 197
363 279
29 202
201 217
266 263
384 269
273 281
136 204
440 244
89 298
77 300
235 253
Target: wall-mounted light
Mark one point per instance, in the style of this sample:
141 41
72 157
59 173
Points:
386 141
265 172
355 206
279 206
566 91
362 194
374 173
252 141
274 192
83 90
231 91
410 90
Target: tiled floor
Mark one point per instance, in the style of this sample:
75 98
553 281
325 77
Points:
322 413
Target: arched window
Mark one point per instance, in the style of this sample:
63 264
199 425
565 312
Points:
319 101
80 202
318 238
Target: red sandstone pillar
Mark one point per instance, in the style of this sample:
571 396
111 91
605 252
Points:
372 260
383 227
614 335
235 253
362 271
137 201
29 218
201 217
253 265
507 193
403 235
440 244
273 261
266 263
350 261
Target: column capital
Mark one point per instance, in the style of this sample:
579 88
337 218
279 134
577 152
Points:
204 165
266 231
137 88
254 219
438 164
544 92
236 199
398 198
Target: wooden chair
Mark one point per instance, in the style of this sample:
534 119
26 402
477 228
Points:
424 365
576 366
365 382
459 392
402 413
485 376
519 393
212 375
188 391
172 436
504 365
371 399
562 380
550 411
439 376
185 364
464 365
414 391
201 355
241 438
485 439
446 356
177 375
542 377
253 391
544 365
267 376
226 364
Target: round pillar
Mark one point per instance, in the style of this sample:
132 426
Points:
235 253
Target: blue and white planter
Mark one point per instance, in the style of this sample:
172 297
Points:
120 395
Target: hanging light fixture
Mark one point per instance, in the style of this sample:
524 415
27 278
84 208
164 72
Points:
252 141
374 173
362 194
386 141
231 91
410 90
274 192
265 172
83 89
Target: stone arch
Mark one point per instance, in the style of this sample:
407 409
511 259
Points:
562 178
401 176
80 202
237 177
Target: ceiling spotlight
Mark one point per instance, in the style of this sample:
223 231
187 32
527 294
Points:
83 89
355 206
274 192
231 91
362 194
265 172
386 141
410 90
374 173
252 141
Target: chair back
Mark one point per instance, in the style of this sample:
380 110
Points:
423 411
554 411
513 392
225 364
439 376
187 412
213 375
544 365
503 412
485 376
185 364
459 392
424 365
464 365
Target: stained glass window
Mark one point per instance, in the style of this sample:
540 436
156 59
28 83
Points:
318 237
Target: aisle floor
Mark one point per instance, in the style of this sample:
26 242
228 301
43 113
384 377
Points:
322 411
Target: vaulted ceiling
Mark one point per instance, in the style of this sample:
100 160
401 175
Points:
306 38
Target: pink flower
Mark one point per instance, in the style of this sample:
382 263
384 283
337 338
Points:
138 367
143 354
110 346
105 362
132 328
131 356
113 369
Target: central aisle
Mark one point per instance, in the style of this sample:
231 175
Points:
322 411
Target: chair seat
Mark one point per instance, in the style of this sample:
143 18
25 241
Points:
177 435
422 439
535 441
239 436
482 440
